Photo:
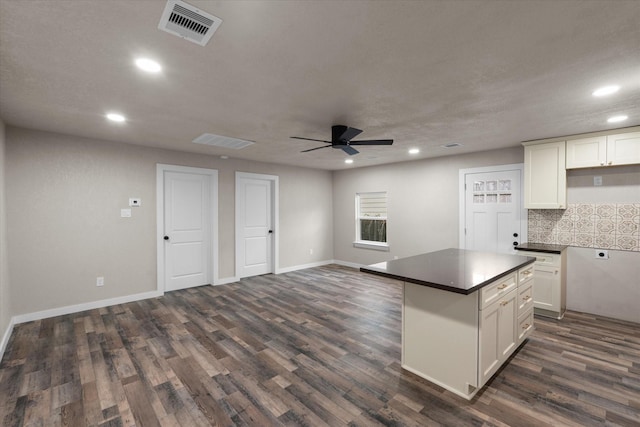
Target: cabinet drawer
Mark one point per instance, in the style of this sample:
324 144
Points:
525 297
525 325
546 259
525 274
495 290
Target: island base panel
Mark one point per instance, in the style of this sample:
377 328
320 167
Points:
440 337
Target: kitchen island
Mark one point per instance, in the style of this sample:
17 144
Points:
463 313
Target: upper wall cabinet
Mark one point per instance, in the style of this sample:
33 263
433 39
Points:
545 176
609 150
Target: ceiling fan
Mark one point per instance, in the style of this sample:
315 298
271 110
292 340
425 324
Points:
341 138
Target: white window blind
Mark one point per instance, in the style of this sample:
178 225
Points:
373 205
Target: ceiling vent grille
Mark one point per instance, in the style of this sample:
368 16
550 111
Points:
183 20
451 145
222 141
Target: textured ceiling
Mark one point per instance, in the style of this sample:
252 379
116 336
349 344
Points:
485 74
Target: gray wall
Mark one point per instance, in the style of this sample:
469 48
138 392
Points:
5 296
422 202
423 216
606 287
64 198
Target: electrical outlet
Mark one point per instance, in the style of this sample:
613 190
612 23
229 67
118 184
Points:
100 281
134 202
602 254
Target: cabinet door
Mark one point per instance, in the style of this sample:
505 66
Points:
489 350
507 324
498 334
623 149
587 152
546 287
545 176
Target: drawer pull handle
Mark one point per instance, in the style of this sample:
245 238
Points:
502 286
526 298
503 303
525 326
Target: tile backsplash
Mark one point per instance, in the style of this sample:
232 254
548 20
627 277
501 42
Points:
595 225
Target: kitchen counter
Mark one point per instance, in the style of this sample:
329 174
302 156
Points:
464 313
541 247
454 270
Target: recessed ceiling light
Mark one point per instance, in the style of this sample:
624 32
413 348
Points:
414 151
116 117
606 90
616 119
224 157
148 65
348 161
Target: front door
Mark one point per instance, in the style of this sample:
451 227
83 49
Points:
254 224
493 209
187 230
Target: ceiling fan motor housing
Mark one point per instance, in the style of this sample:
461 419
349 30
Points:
337 131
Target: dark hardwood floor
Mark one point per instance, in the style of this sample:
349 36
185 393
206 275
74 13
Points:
314 347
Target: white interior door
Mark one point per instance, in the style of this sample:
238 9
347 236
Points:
187 230
254 225
493 210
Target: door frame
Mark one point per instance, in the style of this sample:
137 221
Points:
213 225
275 217
462 207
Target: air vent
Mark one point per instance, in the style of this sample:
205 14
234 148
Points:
183 20
452 145
222 141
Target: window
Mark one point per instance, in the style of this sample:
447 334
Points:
371 220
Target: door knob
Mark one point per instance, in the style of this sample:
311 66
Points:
166 237
270 231
515 243
515 234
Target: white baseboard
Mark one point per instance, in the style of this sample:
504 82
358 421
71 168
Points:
69 309
303 266
5 338
226 280
348 264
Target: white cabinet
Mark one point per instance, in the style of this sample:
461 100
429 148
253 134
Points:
550 290
525 303
623 149
459 341
545 176
587 152
498 334
604 150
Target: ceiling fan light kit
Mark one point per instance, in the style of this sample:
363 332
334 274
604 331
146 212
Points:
341 139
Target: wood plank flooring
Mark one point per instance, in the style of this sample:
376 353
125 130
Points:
315 347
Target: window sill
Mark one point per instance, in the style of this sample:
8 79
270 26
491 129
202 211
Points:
378 246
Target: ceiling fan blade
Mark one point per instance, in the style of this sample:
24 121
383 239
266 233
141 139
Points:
372 142
349 150
310 139
317 148
349 133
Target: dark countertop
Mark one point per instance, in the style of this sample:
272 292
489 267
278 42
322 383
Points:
541 247
454 270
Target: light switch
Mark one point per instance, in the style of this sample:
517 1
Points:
135 202
125 213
